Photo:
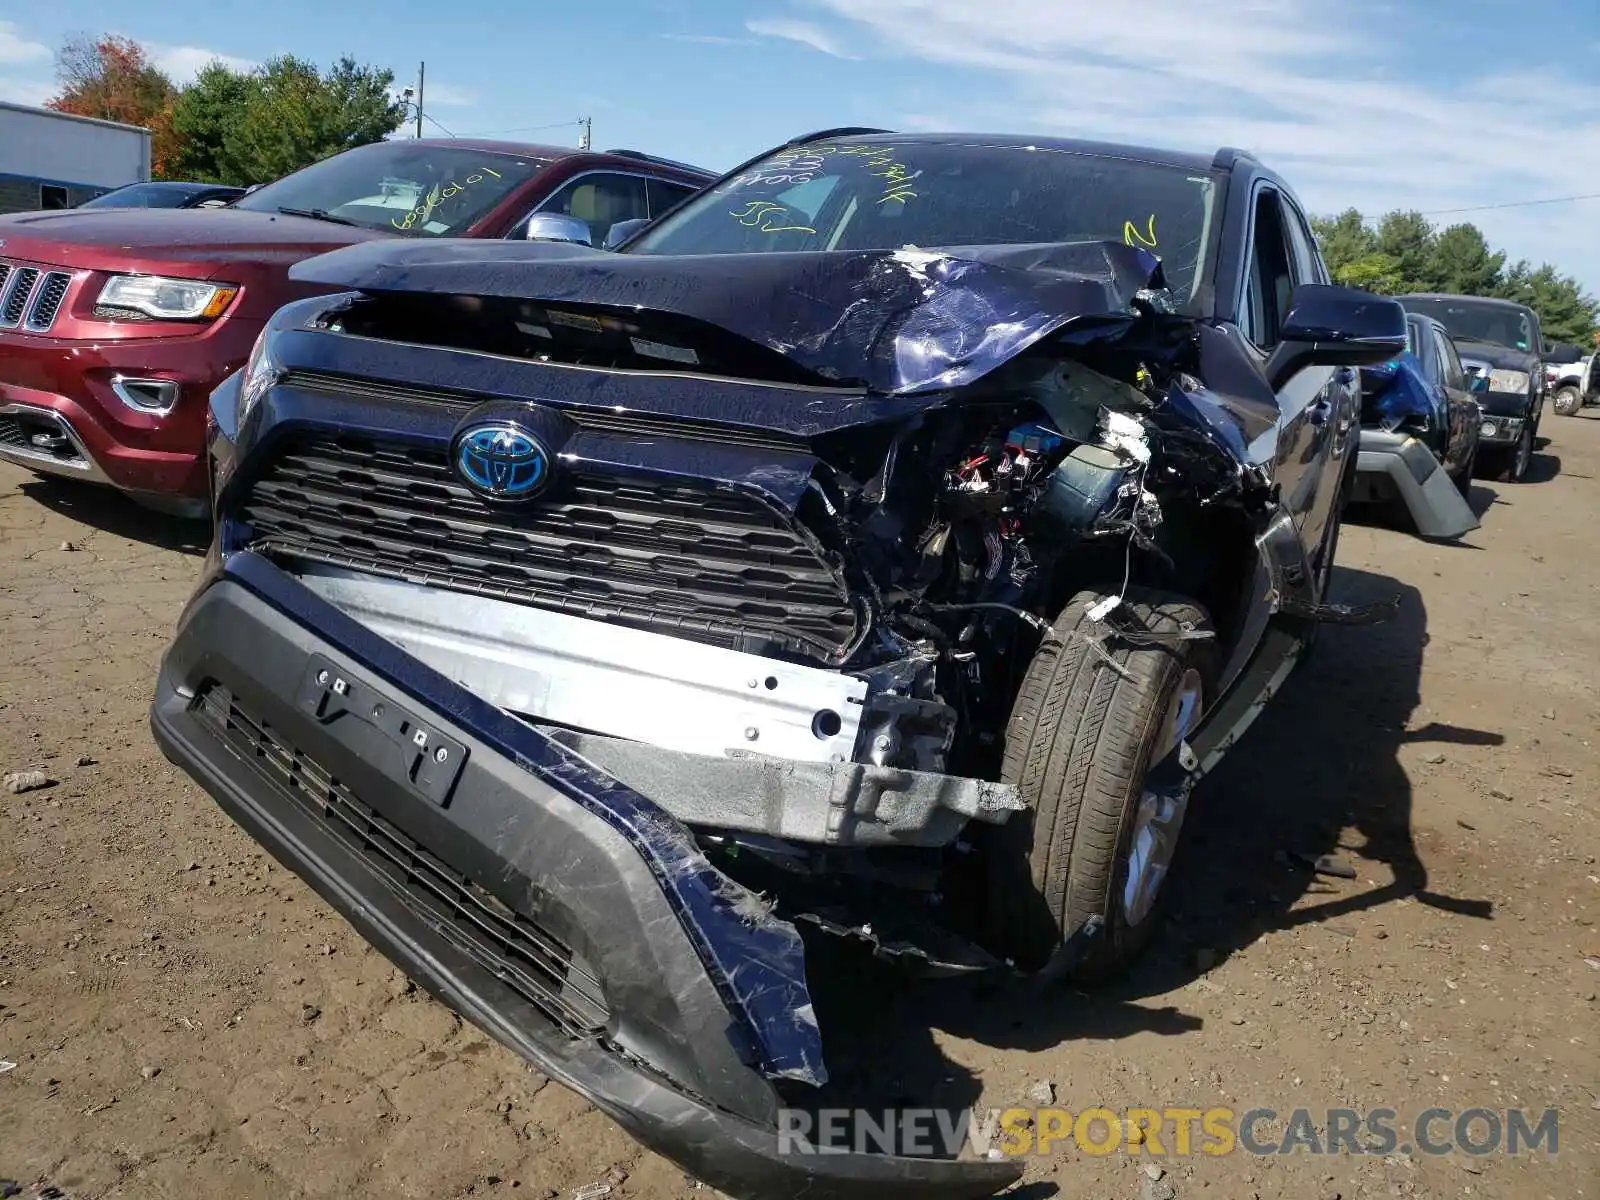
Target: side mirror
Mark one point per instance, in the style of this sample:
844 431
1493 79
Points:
623 230
1562 353
558 227
1477 381
1331 326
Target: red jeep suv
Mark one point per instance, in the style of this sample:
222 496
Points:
116 324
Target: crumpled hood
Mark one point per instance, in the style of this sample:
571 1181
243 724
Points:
894 321
1497 356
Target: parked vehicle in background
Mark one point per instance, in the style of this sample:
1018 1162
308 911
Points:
1500 340
1573 385
167 194
1419 432
116 324
881 544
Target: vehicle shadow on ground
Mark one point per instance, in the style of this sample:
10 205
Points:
1542 468
1319 774
109 510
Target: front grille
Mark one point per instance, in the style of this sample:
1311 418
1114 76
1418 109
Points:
715 566
632 424
11 432
47 298
18 288
31 297
521 954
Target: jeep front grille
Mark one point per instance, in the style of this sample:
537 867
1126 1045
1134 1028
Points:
31 297
711 565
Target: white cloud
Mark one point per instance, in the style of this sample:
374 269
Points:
18 50
25 67
1335 104
707 39
183 63
803 32
450 97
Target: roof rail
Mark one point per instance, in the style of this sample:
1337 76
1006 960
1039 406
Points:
841 131
662 162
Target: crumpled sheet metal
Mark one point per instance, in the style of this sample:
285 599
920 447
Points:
897 322
756 961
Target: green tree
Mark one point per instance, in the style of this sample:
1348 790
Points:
1408 240
1566 312
1463 264
297 115
206 120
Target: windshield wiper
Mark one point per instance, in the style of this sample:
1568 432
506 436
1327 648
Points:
319 214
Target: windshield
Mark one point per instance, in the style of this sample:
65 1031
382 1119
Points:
408 187
879 195
144 195
1474 321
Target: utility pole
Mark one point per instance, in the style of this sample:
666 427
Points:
586 124
422 68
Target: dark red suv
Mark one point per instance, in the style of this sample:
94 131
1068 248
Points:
115 325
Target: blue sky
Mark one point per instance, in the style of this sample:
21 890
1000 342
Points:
1372 103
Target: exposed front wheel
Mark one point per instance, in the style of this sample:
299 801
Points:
1567 401
1082 735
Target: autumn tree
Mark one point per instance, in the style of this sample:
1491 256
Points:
111 78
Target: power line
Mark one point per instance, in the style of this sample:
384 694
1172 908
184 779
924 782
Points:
442 129
1440 212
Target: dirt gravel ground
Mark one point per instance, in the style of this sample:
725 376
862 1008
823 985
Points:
187 1020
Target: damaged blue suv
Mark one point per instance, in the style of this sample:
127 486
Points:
879 547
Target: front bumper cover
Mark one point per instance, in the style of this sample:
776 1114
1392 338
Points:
1398 464
563 914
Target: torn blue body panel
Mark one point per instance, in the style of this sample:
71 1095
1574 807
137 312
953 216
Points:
1396 390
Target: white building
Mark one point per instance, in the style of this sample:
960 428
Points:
53 160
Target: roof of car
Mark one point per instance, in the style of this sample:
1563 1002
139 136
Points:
1187 160
180 185
556 153
1457 296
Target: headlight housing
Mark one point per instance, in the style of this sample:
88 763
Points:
1508 381
164 299
260 373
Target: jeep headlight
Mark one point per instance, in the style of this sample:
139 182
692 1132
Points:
260 373
1508 381
163 299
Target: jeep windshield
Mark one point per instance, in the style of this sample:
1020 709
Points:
1476 321
881 194
419 189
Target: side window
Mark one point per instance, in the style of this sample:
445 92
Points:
1454 375
1308 266
602 200
1268 276
665 195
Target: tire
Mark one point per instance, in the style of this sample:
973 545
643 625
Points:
1463 477
1567 401
1078 744
1508 463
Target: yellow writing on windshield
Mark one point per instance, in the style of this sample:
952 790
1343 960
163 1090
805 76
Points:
766 216
803 164
1132 235
437 195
